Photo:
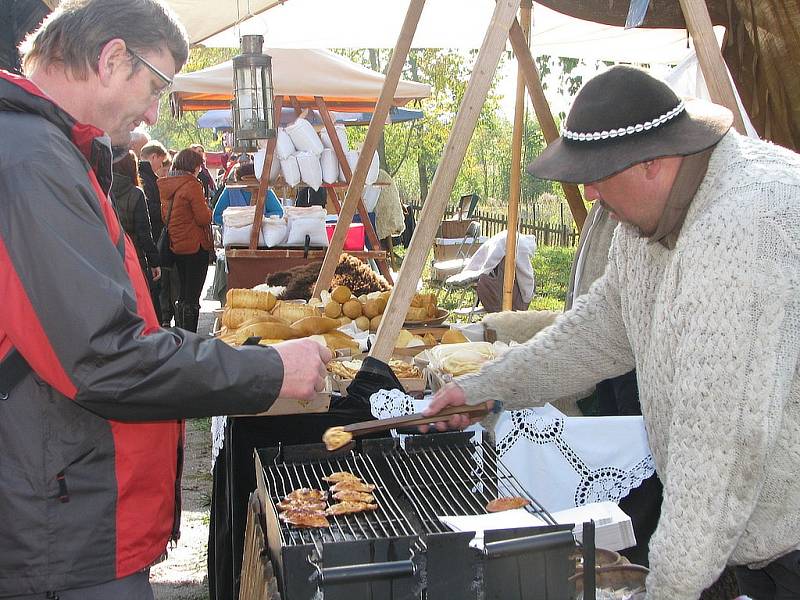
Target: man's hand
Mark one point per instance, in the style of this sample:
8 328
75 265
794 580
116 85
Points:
156 273
450 395
304 370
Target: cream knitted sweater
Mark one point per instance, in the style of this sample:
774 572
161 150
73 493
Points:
713 329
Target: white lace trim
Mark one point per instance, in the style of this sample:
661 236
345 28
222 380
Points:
629 130
217 437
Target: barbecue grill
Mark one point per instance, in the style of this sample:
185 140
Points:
402 550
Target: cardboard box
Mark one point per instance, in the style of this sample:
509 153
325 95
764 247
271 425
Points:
455 228
412 385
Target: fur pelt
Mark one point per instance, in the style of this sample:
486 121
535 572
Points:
350 271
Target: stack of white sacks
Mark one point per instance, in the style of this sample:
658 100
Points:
300 156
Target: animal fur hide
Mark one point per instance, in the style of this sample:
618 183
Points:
350 271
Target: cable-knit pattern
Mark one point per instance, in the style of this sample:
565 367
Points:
714 326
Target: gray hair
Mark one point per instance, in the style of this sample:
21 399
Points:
75 33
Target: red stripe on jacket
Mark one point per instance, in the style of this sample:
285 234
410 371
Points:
139 492
35 346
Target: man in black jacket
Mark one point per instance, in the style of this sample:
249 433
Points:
164 292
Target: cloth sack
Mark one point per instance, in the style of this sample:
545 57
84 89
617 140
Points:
330 166
274 231
304 137
306 221
274 169
240 236
370 197
310 169
284 146
291 171
340 133
352 161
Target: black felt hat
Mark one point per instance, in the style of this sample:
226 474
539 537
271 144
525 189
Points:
625 116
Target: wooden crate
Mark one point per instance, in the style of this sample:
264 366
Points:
257 577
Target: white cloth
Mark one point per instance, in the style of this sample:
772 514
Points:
713 329
493 250
565 462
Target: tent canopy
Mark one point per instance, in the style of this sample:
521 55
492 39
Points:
359 24
304 74
761 52
204 18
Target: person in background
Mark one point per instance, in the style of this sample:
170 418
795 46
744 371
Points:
138 140
165 168
702 296
242 197
134 216
152 157
209 188
188 220
93 391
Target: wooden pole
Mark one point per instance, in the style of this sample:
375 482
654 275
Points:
376 124
263 185
543 114
516 170
698 22
443 180
369 230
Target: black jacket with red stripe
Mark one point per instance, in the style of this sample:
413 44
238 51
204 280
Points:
90 438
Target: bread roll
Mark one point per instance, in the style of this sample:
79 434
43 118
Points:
315 325
289 312
243 298
233 318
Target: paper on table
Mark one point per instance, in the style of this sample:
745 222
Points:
613 529
506 519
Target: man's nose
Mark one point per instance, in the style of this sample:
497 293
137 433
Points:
151 115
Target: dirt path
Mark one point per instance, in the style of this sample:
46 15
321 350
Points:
183 576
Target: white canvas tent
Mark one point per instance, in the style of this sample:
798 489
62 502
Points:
300 73
204 18
376 24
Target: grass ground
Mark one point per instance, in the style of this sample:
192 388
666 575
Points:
551 268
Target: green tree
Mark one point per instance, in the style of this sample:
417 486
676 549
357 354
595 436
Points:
183 131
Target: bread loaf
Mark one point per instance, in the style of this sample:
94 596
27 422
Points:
243 298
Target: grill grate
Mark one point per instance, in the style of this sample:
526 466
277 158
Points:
455 479
387 521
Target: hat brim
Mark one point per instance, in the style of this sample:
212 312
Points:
702 126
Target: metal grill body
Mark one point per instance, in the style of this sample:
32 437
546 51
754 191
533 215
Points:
402 550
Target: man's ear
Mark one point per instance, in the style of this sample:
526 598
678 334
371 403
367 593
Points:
113 59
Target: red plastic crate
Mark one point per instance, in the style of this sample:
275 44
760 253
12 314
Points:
355 235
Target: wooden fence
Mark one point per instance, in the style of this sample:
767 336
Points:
547 234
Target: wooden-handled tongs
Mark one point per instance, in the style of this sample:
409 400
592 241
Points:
338 437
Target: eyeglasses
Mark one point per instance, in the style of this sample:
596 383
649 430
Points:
155 71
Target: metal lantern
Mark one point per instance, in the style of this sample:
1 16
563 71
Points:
253 115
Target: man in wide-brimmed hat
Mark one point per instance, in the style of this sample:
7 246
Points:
702 296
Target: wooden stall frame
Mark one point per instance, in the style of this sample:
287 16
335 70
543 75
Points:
504 24
516 168
353 195
445 176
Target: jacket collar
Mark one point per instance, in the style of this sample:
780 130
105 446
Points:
18 94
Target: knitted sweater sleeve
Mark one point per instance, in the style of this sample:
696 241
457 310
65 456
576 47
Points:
739 321
585 345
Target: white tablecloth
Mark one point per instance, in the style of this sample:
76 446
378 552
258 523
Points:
561 461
